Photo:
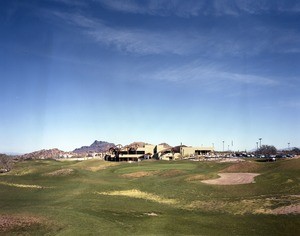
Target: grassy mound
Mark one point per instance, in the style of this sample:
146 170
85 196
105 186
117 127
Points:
62 172
139 174
245 166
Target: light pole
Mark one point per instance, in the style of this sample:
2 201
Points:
256 146
260 142
289 146
223 145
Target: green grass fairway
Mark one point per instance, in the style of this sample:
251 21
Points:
47 197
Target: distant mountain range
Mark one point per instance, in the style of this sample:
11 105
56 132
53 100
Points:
96 146
103 146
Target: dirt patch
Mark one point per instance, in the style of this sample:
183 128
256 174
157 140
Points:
232 179
140 174
171 173
291 209
134 193
18 222
62 172
245 166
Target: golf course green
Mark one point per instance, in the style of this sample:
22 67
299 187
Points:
94 197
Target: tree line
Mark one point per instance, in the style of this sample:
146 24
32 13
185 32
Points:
271 150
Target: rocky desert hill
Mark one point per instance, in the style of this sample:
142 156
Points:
45 154
165 145
96 146
136 144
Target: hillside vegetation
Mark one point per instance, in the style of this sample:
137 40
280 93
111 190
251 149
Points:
149 198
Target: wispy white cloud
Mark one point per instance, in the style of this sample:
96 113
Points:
217 42
143 41
188 8
75 19
225 7
133 40
78 3
156 7
209 75
265 6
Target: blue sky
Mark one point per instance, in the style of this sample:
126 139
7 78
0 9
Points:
197 72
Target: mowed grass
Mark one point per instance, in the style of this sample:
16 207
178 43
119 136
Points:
104 198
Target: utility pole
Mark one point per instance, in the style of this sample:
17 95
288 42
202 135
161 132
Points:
223 145
289 146
256 146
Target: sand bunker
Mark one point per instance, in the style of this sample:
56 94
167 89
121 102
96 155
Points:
232 179
134 193
21 185
62 172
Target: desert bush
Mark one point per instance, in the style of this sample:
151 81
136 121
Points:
5 163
